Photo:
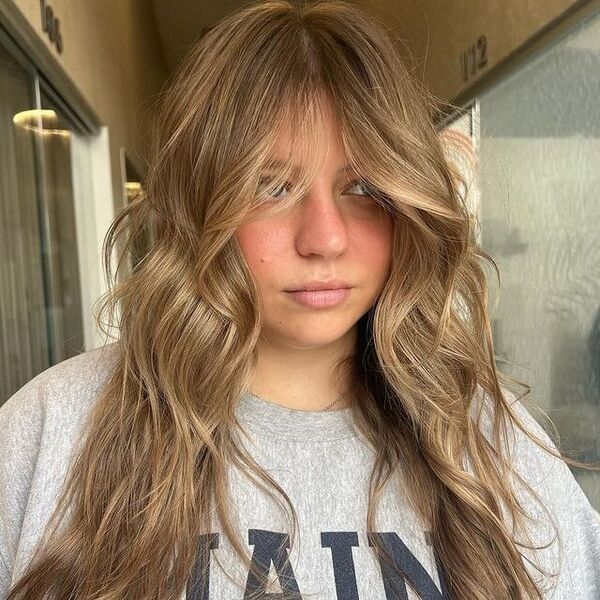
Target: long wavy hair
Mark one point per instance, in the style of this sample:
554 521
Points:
153 465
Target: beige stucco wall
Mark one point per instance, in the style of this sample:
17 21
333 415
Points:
111 52
437 32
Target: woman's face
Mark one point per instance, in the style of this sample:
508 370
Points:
336 232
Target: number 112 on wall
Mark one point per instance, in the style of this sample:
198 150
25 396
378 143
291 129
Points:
474 58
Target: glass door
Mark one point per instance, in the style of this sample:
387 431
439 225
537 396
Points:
41 319
540 182
538 165
61 258
24 332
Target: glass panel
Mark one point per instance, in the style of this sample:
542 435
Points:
540 176
40 288
65 311
24 350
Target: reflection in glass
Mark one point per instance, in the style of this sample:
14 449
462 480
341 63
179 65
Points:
64 304
40 288
540 218
24 344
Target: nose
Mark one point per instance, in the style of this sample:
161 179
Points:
322 228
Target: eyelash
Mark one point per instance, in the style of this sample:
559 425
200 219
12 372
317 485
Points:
352 184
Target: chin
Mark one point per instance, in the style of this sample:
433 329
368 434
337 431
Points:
313 334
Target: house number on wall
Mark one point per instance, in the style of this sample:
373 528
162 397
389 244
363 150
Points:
51 25
474 58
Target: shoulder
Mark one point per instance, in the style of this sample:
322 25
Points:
536 465
561 517
549 475
47 413
62 393
40 426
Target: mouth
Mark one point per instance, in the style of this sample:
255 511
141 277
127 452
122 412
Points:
321 298
327 289
316 286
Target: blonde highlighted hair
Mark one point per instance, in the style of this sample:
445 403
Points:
161 435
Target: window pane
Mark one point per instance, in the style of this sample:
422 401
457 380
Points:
540 218
24 350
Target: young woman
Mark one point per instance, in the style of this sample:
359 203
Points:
302 400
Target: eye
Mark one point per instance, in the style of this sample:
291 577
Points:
275 192
365 187
270 191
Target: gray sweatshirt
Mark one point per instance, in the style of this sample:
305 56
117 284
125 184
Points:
322 463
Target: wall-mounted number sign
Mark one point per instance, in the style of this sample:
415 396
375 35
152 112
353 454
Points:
474 58
51 25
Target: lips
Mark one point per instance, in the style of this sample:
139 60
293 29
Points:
326 298
331 284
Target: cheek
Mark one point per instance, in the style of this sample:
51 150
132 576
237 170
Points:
373 244
262 245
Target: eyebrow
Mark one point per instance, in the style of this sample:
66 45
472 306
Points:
274 163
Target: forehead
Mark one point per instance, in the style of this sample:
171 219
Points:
310 142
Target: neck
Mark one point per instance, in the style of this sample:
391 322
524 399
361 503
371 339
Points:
303 378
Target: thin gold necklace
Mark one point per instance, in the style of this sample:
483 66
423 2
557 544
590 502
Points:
334 402
324 409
